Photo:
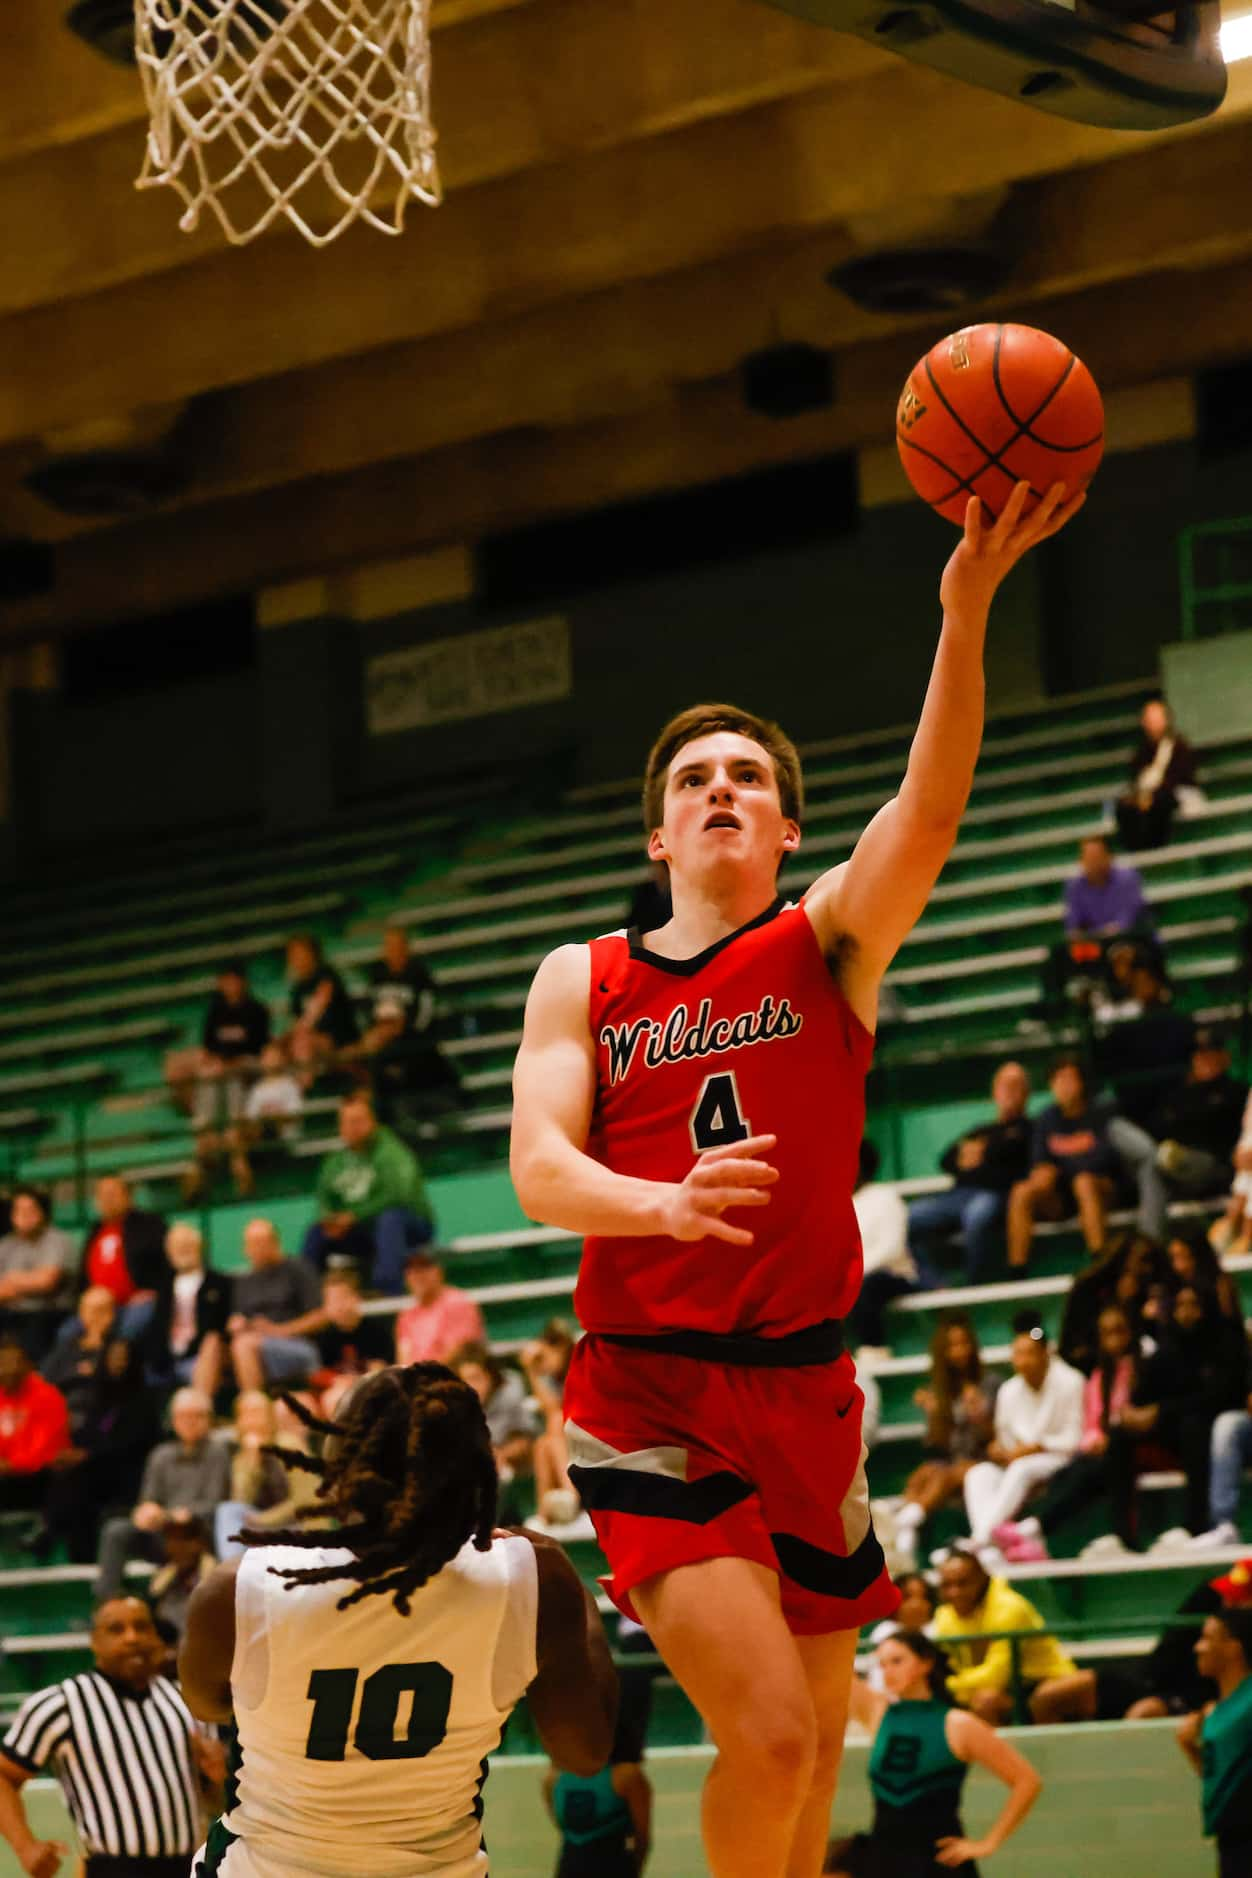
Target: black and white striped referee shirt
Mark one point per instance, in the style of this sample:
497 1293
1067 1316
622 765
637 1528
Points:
123 1760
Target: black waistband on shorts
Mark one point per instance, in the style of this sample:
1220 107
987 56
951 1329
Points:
803 1349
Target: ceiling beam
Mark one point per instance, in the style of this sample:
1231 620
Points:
1179 206
609 218
1166 325
512 92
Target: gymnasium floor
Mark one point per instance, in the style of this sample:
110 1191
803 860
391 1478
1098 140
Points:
1118 1801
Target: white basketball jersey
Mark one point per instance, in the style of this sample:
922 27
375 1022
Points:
363 1735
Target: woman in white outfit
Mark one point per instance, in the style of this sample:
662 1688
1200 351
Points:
370 1671
1038 1427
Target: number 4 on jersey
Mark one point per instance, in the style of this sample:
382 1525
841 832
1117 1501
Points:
718 1118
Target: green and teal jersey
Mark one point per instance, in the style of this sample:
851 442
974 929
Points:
911 1763
589 1811
1226 1753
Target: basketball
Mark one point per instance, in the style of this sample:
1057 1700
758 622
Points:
994 405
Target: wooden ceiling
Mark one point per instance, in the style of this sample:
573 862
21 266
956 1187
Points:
638 194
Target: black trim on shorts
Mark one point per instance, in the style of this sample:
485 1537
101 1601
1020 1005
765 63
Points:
831 1574
687 968
659 1496
802 1349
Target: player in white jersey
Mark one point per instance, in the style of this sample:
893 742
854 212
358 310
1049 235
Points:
364 1718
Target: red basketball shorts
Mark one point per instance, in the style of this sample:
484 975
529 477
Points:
677 1459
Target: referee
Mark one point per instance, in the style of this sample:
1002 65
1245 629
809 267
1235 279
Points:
125 1750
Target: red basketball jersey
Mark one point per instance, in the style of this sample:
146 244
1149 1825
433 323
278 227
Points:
751 1037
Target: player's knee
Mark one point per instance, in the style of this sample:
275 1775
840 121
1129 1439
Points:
776 1748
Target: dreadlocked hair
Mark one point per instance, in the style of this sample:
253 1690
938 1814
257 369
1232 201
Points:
409 1476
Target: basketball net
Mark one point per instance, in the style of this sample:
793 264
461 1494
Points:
316 110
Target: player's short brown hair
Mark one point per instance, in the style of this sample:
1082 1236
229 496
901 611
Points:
703 720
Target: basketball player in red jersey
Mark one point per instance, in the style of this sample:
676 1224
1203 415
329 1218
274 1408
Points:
693 1102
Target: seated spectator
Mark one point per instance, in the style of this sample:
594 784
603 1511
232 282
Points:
1074 1168
1232 1233
985 1164
36 1264
440 1318
1199 1368
1086 1477
399 1039
958 1402
972 1602
545 1362
324 1022
1163 765
503 1396
889 1271
73 1366
1102 899
236 1030
1192 1261
277 1312
1130 1275
34 1429
101 1473
350 1344
371 1198
1038 1426
1146 1054
293 1437
1198 1120
125 1252
188 1475
271 1112
188 1562
258 1479
186 1340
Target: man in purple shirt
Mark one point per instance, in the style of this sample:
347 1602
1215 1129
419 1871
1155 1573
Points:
1103 899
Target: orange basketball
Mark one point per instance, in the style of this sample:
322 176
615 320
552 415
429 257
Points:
995 405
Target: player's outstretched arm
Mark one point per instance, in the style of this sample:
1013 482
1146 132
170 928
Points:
573 1699
865 908
208 1646
558 1182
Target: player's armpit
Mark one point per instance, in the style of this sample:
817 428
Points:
208 1646
573 1699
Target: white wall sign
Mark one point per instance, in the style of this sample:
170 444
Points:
469 675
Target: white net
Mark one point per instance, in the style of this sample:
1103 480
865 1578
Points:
316 110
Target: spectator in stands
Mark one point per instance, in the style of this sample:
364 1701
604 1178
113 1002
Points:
889 1270
958 1402
350 1344
971 1603
258 1480
36 1261
404 1058
1230 1452
324 1020
1232 1233
1103 899
545 1362
503 1396
186 1340
1074 1166
1197 1122
188 1562
371 1198
1038 1426
1085 1479
1163 765
1130 1276
1191 1260
236 1030
272 1106
101 1473
190 1474
1145 1057
440 1318
278 1312
1199 1368
73 1366
34 1429
125 1252
985 1163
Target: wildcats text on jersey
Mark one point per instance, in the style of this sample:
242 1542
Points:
680 1038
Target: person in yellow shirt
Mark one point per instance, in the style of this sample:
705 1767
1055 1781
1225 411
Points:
972 1602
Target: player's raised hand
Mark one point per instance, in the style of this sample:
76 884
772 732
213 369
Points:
726 1177
988 549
